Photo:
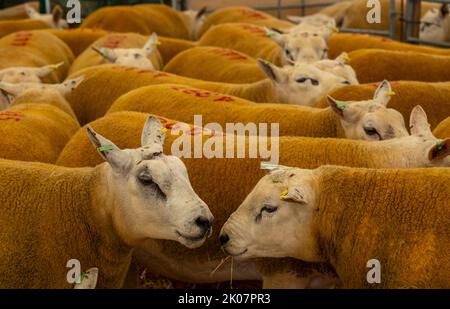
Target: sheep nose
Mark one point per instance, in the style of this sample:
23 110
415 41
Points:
224 238
203 223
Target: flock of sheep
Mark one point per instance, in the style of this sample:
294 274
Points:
88 119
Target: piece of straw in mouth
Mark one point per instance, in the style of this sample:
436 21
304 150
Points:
218 266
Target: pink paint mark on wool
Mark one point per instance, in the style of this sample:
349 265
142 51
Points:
11 116
232 54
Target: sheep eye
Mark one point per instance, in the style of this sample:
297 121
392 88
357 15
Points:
146 180
22 73
301 80
372 131
157 154
314 82
269 209
346 82
136 56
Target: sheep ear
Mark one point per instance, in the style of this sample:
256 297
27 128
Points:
5 101
444 9
343 58
48 69
118 159
151 43
30 10
272 71
295 192
276 36
153 132
107 53
383 93
73 83
440 150
200 13
296 19
56 14
88 280
418 122
337 106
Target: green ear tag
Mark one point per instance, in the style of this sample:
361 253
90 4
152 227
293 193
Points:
105 148
270 34
440 144
341 105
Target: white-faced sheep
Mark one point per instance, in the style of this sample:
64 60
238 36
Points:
366 120
435 24
302 84
54 19
128 49
95 215
398 217
238 176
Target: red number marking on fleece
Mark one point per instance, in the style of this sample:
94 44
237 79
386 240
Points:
253 14
204 94
114 41
11 116
21 38
254 29
232 54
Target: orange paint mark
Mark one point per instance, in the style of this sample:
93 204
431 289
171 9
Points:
11 116
159 74
215 97
21 38
113 41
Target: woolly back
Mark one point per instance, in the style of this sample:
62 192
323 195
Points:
216 64
78 39
433 97
11 26
184 102
399 217
90 57
245 38
243 14
170 47
45 96
399 65
143 19
25 47
35 132
347 42
443 129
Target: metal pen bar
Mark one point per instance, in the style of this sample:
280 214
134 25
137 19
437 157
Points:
392 16
368 31
434 43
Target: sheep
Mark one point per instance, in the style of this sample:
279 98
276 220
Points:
44 96
237 176
144 19
337 11
358 121
347 42
399 65
78 39
128 49
227 65
302 84
215 64
433 97
28 74
35 48
194 21
17 11
435 24
41 128
54 20
95 215
394 216
242 14
443 129
249 39
64 88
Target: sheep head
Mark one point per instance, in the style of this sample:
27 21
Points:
54 19
432 26
151 194
370 120
284 198
16 75
302 84
132 57
301 46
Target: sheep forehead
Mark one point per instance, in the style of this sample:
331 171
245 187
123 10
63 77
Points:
305 69
301 41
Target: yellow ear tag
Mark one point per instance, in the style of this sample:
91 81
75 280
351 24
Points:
390 93
163 131
333 28
157 43
346 58
284 193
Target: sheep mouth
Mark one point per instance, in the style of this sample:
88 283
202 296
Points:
202 236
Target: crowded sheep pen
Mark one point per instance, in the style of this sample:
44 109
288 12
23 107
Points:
225 144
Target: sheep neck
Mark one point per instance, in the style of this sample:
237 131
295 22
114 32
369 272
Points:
362 213
260 92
